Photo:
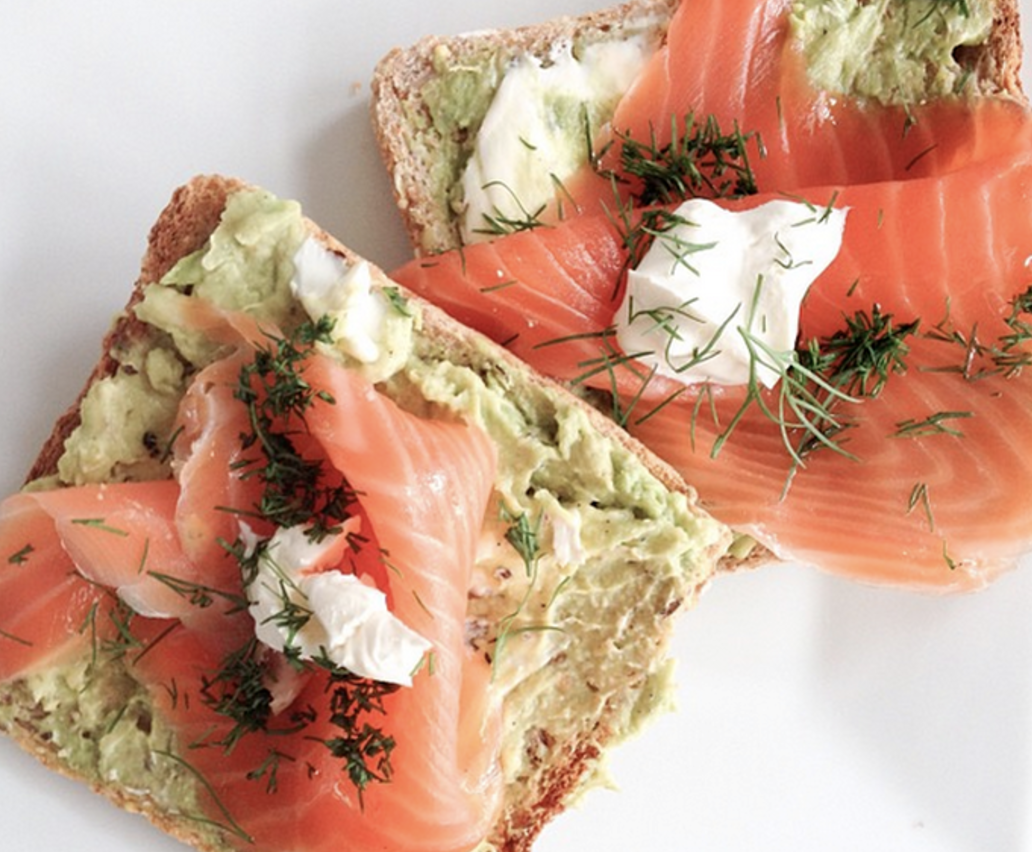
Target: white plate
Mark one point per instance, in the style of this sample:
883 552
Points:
814 714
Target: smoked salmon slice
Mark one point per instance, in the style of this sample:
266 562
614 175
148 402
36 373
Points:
736 62
937 478
207 444
544 293
45 605
83 546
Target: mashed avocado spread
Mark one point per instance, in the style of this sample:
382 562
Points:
891 51
574 624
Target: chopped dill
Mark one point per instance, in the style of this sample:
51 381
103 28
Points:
920 155
919 497
231 824
699 160
89 624
816 380
238 691
818 215
522 534
1008 357
860 357
296 491
20 557
146 648
11 637
500 224
494 288
268 769
639 230
99 524
397 301
123 641
274 390
562 196
364 748
116 719
934 424
144 556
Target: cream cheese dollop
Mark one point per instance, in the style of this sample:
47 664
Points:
325 284
343 618
720 291
533 135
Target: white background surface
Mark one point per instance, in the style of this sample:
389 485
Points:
814 714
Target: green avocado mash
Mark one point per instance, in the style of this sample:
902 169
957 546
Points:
126 420
891 51
98 720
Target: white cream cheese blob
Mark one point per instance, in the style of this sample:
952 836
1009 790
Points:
326 285
722 289
348 620
533 133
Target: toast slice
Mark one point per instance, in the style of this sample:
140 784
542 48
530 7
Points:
431 98
585 634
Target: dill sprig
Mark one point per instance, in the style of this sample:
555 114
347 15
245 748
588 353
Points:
239 692
816 379
699 160
21 556
919 497
499 224
200 594
859 358
800 404
230 825
933 424
522 534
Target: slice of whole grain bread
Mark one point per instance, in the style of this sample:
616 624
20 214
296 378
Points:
562 715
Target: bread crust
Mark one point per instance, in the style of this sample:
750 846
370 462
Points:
183 227
998 62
